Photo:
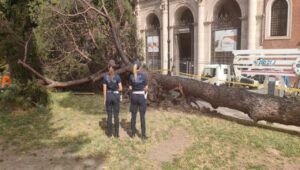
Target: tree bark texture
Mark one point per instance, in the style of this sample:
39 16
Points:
257 106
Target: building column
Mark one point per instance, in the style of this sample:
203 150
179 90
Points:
172 46
252 24
164 37
138 21
139 31
201 61
142 34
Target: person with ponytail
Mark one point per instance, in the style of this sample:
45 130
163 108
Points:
138 85
112 89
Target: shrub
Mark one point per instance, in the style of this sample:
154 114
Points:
25 96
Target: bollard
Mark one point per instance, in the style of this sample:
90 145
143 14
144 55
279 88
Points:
271 86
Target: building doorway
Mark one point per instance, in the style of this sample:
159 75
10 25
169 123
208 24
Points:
153 54
226 31
184 41
185 52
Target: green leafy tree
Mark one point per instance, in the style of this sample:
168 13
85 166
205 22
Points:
16 30
17 42
75 47
74 39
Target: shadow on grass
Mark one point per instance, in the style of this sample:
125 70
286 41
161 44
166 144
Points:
88 104
103 125
30 130
126 125
25 129
72 143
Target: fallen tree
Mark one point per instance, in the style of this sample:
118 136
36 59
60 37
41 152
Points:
257 106
56 84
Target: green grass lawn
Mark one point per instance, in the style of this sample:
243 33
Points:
76 124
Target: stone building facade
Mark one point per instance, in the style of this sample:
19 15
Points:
206 31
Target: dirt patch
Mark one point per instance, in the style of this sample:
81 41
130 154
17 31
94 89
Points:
47 159
175 145
288 166
273 152
123 134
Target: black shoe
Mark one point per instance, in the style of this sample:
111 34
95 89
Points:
117 136
144 137
109 135
132 135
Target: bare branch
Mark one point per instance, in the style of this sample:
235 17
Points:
75 44
91 34
55 84
87 24
103 12
116 38
40 76
26 47
99 11
71 15
121 11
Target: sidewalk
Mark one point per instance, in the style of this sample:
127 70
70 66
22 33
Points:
231 113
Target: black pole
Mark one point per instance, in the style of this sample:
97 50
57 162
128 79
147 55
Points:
169 57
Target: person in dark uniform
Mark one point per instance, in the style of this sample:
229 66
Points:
112 89
138 85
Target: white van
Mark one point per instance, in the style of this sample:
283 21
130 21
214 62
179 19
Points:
216 74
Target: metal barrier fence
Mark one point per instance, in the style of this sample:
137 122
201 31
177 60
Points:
153 63
186 65
201 77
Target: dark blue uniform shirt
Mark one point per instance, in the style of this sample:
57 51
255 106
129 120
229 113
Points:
138 84
112 85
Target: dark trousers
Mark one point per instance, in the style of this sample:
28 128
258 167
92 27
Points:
138 102
112 107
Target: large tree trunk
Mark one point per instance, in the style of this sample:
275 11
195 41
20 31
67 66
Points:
257 106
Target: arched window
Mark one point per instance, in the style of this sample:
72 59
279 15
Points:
226 29
279 18
152 22
153 54
187 17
